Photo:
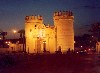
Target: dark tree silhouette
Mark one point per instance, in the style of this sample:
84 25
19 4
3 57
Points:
3 34
95 31
22 38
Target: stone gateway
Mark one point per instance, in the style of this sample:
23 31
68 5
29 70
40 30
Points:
42 38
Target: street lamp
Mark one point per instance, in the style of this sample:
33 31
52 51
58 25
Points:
81 46
14 31
0 38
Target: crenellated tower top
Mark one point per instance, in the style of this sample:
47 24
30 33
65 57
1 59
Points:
63 15
34 19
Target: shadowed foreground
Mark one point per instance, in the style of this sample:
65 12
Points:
49 63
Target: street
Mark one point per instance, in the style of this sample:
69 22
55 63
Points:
56 63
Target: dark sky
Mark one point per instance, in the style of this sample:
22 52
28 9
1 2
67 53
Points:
13 12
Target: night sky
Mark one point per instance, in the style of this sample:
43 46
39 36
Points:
13 12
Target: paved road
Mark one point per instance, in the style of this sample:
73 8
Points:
53 64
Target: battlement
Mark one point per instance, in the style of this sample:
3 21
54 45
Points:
63 15
34 18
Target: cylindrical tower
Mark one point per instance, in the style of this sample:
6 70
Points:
31 32
63 21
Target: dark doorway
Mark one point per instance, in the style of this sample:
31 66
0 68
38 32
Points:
44 46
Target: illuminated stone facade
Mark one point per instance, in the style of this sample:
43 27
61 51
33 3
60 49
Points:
46 38
98 47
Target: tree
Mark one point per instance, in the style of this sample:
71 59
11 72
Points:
84 40
95 31
22 33
3 34
22 38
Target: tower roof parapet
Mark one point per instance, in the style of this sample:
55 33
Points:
63 14
34 18
59 13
